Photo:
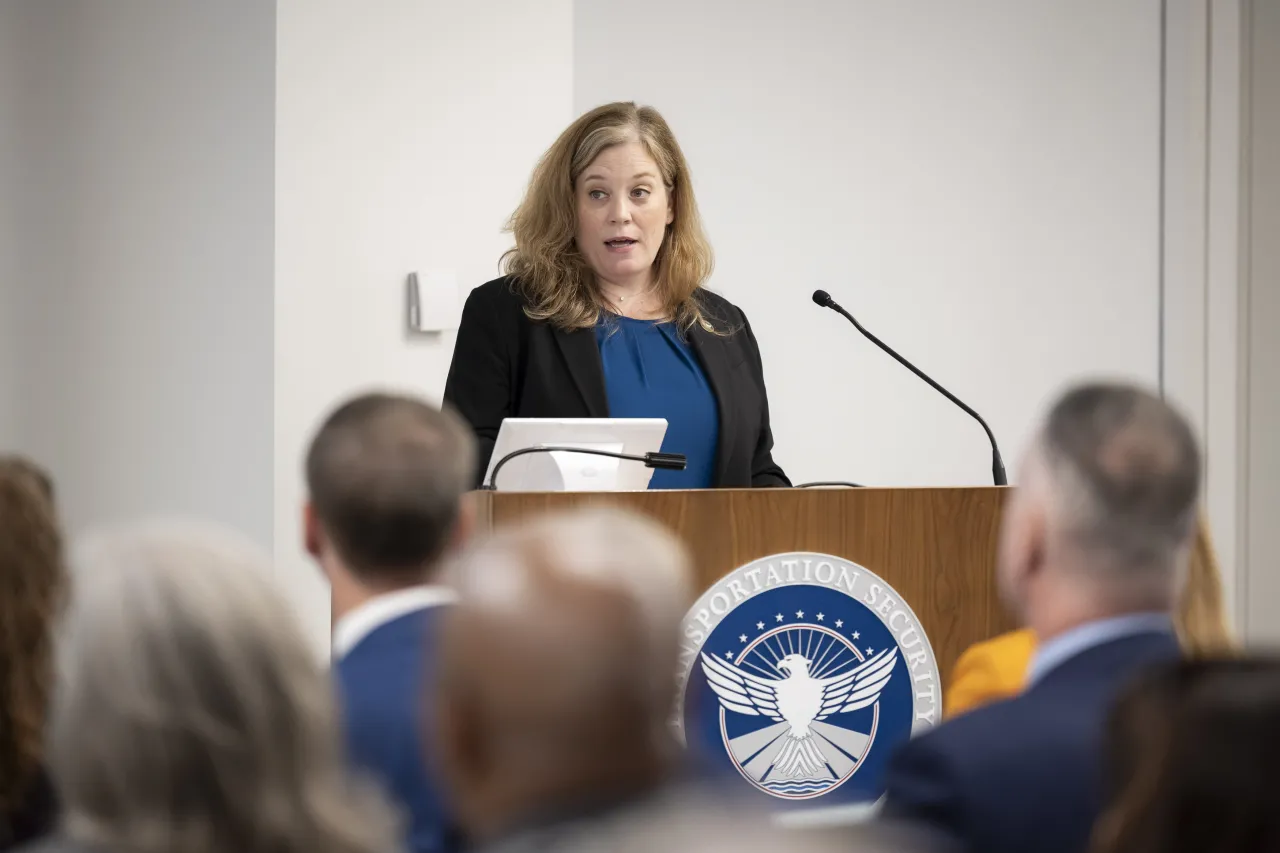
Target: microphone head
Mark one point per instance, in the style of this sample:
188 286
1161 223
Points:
667 461
821 297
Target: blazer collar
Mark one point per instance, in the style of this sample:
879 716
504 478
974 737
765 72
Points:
582 356
713 352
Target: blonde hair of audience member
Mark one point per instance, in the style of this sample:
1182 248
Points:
996 669
556 680
550 269
32 586
193 717
1201 620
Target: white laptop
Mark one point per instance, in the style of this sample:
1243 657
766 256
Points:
558 471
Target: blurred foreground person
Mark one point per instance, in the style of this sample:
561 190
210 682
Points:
385 479
32 587
1192 754
557 680
190 715
997 668
710 827
1093 554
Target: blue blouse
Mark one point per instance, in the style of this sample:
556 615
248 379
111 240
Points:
649 372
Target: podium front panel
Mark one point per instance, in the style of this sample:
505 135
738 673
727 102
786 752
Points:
936 547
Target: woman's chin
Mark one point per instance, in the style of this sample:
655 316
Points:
622 268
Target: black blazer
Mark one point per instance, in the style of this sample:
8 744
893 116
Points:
506 365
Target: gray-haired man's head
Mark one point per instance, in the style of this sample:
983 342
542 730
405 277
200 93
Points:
191 713
1105 511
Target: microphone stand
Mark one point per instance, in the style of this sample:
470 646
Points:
822 298
668 461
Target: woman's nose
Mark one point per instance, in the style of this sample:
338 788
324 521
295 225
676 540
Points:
620 212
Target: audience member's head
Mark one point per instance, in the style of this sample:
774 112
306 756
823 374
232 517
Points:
32 587
557 673
190 714
1102 522
386 476
1192 750
687 823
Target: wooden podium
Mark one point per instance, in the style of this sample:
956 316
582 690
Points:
936 547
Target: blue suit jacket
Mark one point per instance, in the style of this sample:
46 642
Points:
1024 774
381 682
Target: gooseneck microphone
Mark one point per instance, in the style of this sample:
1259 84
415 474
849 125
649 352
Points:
822 298
668 461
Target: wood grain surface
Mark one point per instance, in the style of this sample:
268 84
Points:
936 547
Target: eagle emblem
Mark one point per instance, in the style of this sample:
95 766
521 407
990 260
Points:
802 753
800 674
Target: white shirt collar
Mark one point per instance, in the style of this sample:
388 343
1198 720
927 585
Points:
352 628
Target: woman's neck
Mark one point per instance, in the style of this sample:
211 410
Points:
625 290
639 299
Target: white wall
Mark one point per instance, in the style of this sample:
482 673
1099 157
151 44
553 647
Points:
10 163
405 132
978 182
1261 585
142 257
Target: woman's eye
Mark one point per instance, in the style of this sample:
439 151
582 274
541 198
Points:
639 193
596 194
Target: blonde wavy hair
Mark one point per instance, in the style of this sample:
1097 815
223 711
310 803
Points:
545 263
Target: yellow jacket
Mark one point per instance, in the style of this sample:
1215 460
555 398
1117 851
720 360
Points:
989 671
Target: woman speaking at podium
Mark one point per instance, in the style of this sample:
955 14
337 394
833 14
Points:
602 312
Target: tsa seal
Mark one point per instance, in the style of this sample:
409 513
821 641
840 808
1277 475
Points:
800 673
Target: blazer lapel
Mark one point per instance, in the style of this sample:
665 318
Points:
582 356
713 353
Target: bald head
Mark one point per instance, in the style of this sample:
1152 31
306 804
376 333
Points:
559 663
1109 495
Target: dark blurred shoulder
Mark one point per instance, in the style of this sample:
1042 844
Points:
59 844
34 818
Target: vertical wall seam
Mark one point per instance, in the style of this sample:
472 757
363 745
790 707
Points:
1244 283
1208 225
1162 198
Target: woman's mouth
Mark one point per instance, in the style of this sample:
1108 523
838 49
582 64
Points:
620 244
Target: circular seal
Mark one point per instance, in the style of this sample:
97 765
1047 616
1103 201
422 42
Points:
800 673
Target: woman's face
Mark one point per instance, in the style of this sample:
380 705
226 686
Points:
623 213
